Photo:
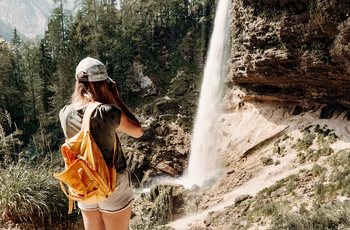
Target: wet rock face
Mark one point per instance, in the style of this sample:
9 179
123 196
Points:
292 50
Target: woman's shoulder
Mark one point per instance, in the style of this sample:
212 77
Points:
108 108
66 110
102 110
107 111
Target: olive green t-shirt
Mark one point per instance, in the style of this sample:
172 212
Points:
104 121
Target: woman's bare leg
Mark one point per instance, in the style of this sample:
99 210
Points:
117 220
93 220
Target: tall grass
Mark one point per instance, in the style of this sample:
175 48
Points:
30 194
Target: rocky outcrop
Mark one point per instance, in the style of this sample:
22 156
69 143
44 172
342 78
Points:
291 50
164 148
163 203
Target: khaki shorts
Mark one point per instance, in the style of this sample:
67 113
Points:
120 199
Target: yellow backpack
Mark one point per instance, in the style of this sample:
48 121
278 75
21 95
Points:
89 179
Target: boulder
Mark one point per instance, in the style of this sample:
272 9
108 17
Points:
167 169
167 105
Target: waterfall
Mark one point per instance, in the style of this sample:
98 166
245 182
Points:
203 168
203 160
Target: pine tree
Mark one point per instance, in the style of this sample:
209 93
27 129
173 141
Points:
46 70
6 70
86 29
16 82
31 66
58 30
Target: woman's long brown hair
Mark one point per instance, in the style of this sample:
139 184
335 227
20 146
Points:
91 91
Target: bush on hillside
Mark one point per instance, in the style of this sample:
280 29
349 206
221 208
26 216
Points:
31 195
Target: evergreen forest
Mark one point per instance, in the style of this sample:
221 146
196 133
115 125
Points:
37 76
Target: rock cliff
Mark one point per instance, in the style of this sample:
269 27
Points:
291 50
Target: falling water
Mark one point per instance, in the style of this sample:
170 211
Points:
203 168
203 163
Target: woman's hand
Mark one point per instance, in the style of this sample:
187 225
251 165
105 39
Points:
129 124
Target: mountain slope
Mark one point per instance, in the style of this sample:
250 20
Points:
260 146
29 17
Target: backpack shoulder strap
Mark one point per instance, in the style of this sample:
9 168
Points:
86 119
86 124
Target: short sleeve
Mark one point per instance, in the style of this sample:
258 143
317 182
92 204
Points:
109 115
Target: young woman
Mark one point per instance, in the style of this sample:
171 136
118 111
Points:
93 84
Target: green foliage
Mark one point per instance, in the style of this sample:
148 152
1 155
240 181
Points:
323 213
285 137
325 151
337 182
278 206
30 194
325 135
318 170
264 207
306 141
333 215
290 183
270 208
314 155
311 150
279 184
160 211
10 144
163 36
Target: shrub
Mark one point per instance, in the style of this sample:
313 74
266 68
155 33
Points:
31 194
317 170
307 141
268 190
333 215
